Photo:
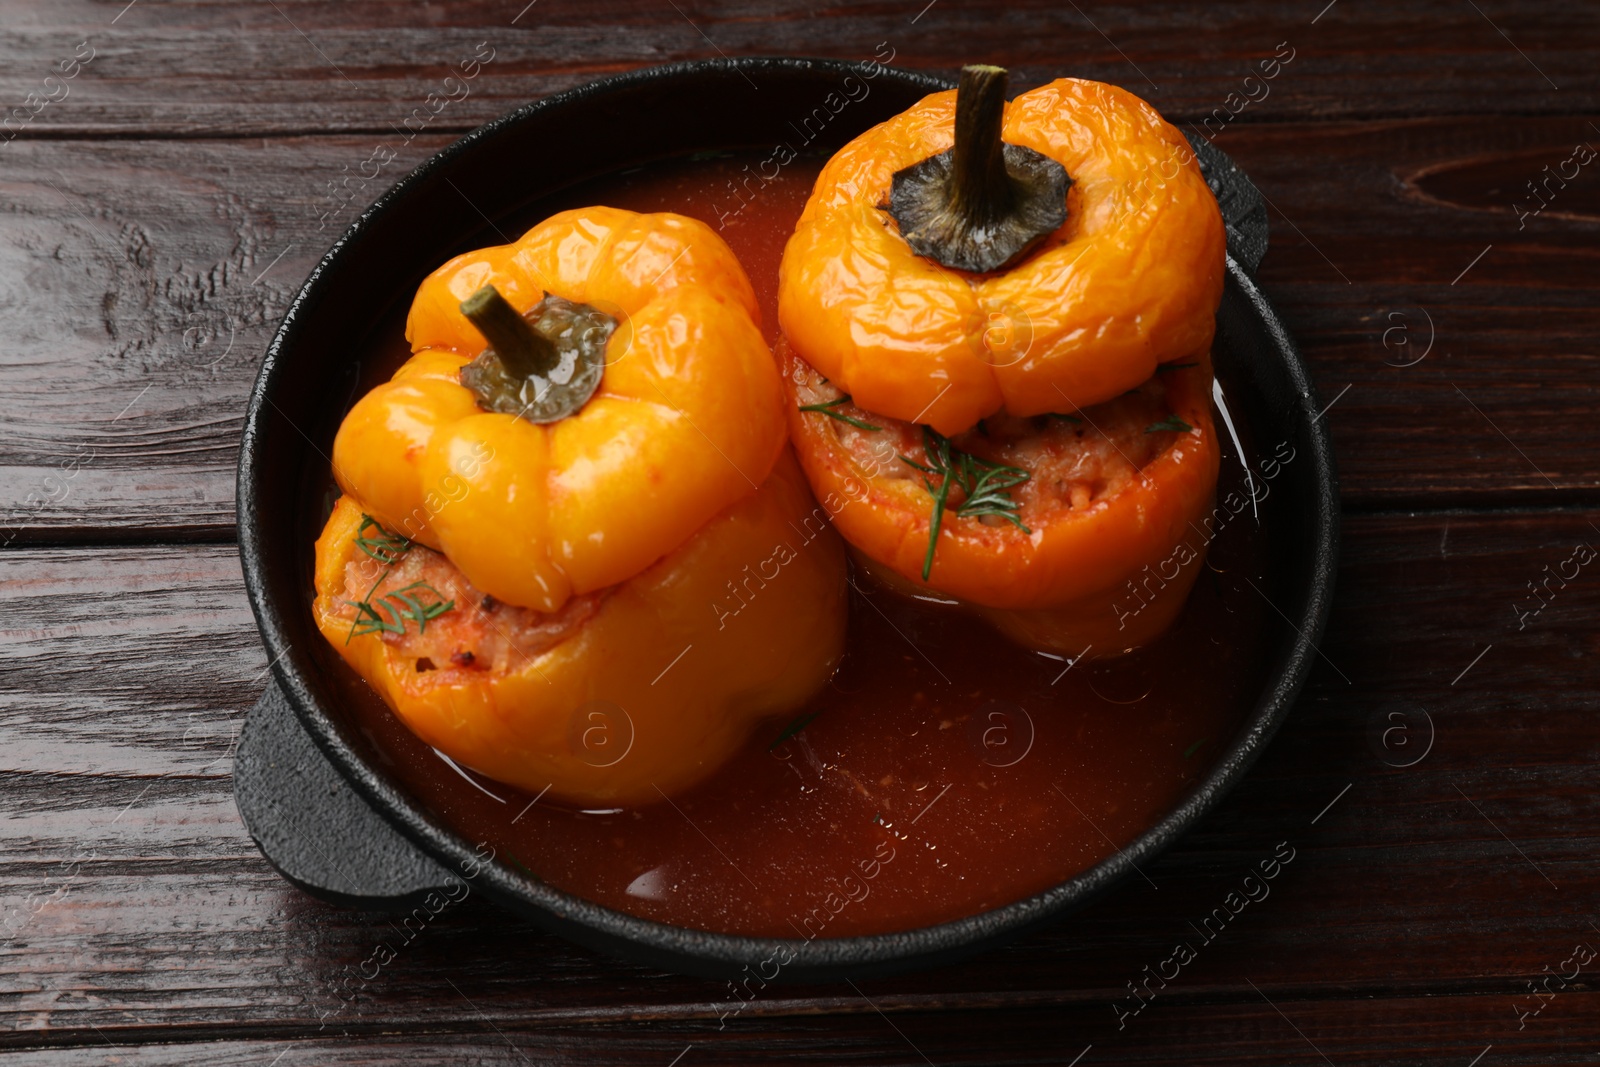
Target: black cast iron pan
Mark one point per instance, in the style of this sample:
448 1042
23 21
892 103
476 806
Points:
312 786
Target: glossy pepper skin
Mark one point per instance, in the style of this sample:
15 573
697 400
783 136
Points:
1065 582
588 562
1131 280
606 715
686 421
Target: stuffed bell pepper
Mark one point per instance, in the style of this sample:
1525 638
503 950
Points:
547 505
997 320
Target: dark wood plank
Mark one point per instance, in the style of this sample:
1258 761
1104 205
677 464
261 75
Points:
138 909
1404 1032
197 69
124 666
147 277
1468 335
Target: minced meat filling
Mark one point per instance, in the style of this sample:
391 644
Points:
1074 460
479 633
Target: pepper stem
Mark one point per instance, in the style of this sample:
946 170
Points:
542 366
980 190
522 349
984 204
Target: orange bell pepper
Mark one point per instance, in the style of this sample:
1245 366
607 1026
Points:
1132 279
685 423
624 695
973 381
549 566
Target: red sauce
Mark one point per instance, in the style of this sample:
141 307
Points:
943 772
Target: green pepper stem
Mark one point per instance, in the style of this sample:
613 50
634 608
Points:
523 351
980 190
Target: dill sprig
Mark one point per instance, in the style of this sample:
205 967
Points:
793 728
524 868
401 605
827 409
394 609
386 547
1171 422
987 487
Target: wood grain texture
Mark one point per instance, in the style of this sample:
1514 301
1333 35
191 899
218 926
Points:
1404 1031
138 910
198 69
1467 335
146 278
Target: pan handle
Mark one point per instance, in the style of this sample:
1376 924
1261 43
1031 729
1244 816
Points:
312 827
1244 213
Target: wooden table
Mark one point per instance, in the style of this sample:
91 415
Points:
189 162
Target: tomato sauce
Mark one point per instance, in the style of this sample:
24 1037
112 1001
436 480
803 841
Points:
943 772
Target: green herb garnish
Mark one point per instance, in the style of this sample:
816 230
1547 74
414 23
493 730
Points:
987 486
793 728
386 548
1171 422
401 605
1192 749
827 409
524 868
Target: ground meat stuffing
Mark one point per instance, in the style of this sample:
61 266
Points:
1075 460
479 633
